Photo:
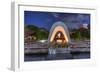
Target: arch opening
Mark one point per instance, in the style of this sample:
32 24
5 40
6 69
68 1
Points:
59 34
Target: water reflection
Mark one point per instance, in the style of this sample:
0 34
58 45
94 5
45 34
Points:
57 56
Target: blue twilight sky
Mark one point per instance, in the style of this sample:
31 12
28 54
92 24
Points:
47 19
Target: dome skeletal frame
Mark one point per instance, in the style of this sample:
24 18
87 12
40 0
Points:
59 26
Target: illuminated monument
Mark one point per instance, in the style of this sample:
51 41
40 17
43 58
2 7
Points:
59 37
59 33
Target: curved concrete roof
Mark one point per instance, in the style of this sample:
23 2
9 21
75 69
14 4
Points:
59 26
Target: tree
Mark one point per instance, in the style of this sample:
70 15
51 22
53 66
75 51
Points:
35 32
75 35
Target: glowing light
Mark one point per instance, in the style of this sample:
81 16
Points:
61 29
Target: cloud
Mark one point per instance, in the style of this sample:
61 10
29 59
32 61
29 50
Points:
56 15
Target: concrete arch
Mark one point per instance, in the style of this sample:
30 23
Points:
59 26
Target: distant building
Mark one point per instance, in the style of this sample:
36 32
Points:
84 26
